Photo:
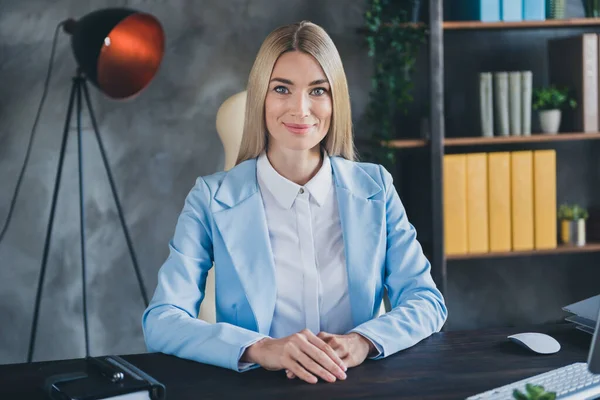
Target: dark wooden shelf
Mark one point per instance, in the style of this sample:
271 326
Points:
561 249
549 23
534 138
479 140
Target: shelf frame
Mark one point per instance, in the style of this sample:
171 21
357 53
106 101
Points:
496 140
560 249
548 23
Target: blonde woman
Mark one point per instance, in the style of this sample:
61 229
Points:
304 238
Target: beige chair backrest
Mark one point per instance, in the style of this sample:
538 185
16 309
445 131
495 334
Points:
230 125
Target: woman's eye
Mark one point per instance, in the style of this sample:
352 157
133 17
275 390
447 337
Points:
319 91
281 89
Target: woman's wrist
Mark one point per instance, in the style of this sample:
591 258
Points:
251 354
369 346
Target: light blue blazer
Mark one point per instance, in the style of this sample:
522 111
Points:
223 221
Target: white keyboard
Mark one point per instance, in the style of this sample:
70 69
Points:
573 382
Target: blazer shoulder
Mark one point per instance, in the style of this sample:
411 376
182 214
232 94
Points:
377 172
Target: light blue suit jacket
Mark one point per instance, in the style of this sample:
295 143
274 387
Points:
223 221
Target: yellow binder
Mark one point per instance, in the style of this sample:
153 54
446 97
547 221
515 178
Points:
544 183
521 173
455 203
477 203
499 196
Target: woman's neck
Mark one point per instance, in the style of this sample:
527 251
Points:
296 166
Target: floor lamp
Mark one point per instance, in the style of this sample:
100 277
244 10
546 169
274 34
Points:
119 51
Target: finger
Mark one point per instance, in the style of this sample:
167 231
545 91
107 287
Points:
297 370
315 368
329 351
323 360
290 374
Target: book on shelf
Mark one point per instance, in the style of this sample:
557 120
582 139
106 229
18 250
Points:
511 10
500 201
501 103
476 10
455 203
526 101
534 10
514 102
521 189
486 104
477 203
573 63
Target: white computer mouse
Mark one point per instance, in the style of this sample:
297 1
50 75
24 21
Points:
537 342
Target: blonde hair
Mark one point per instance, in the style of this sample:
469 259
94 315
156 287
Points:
311 39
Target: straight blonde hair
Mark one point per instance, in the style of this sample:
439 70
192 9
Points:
311 39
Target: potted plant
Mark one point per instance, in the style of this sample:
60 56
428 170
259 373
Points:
549 102
534 392
572 224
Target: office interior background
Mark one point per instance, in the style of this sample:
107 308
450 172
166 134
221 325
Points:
159 142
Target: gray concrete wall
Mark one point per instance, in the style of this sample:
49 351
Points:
157 145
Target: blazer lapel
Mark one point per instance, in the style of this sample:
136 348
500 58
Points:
243 227
362 219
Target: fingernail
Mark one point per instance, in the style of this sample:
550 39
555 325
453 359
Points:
313 379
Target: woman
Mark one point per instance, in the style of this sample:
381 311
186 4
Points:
303 238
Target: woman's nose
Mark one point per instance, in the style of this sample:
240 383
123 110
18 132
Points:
300 105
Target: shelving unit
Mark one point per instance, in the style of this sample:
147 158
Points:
552 23
513 39
561 249
479 140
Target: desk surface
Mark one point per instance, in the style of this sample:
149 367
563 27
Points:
447 365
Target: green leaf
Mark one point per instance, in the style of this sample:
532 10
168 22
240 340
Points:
534 390
518 395
548 396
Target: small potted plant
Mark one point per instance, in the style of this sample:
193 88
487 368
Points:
533 392
572 224
549 102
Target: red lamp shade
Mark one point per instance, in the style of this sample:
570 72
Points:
118 49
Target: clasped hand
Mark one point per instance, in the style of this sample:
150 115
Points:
308 356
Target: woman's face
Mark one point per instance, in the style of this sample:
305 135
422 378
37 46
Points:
298 105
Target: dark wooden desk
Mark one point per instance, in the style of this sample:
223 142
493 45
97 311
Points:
448 365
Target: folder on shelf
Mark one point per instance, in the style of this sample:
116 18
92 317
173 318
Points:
511 10
534 10
455 203
476 10
499 201
544 184
477 203
522 222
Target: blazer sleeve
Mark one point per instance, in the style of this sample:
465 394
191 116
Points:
418 307
170 323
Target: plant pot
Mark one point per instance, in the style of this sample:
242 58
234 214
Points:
550 121
572 232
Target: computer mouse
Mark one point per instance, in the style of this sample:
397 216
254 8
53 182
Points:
536 342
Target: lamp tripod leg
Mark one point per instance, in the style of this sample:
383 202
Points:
115 196
82 219
40 286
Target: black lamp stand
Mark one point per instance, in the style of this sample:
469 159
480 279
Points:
79 85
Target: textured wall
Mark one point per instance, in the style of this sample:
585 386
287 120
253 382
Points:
157 145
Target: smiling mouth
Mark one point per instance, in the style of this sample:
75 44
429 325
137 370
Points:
298 128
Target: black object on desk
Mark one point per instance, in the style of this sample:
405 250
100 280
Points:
102 378
446 365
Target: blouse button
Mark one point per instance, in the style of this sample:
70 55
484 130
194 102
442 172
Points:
301 190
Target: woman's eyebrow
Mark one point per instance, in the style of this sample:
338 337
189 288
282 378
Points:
288 82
